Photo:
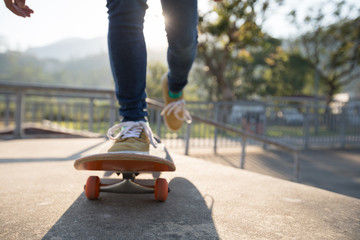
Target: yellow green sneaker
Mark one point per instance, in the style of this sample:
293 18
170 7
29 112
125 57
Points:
131 137
174 112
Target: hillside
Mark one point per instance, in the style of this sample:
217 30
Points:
89 71
70 62
78 48
68 49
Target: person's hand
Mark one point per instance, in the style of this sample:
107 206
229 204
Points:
18 7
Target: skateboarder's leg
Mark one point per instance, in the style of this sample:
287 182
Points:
127 52
181 20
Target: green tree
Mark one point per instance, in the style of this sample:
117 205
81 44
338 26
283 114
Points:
226 32
332 50
266 70
272 71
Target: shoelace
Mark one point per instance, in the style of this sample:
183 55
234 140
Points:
131 129
177 107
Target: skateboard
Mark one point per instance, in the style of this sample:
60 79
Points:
129 165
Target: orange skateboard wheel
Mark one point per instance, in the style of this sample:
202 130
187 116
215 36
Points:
92 188
161 189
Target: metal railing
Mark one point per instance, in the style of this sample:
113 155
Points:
299 123
311 124
69 107
295 122
245 135
290 124
94 110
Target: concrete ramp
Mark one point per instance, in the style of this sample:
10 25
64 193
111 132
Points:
42 197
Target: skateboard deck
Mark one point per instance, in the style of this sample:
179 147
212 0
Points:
129 165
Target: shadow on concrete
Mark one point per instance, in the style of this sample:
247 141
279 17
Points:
184 215
273 162
49 159
336 170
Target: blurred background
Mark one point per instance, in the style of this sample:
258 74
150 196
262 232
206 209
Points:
273 48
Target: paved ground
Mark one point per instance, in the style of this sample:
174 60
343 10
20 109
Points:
336 170
42 197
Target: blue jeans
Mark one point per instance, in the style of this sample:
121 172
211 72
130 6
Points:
127 50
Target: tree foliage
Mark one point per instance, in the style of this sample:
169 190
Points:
239 59
332 50
224 31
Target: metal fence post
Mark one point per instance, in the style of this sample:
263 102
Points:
81 117
67 115
58 114
243 151
343 127
296 166
112 110
7 109
265 124
187 139
216 129
306 128
91 115
19 114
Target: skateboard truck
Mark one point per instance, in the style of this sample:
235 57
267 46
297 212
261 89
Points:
94 186
127 185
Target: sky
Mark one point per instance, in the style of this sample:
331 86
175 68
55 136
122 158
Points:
55 20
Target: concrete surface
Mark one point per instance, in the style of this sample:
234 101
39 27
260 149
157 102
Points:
42 197
336 170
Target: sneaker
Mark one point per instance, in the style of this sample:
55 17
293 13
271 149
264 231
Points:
174 112
131 137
